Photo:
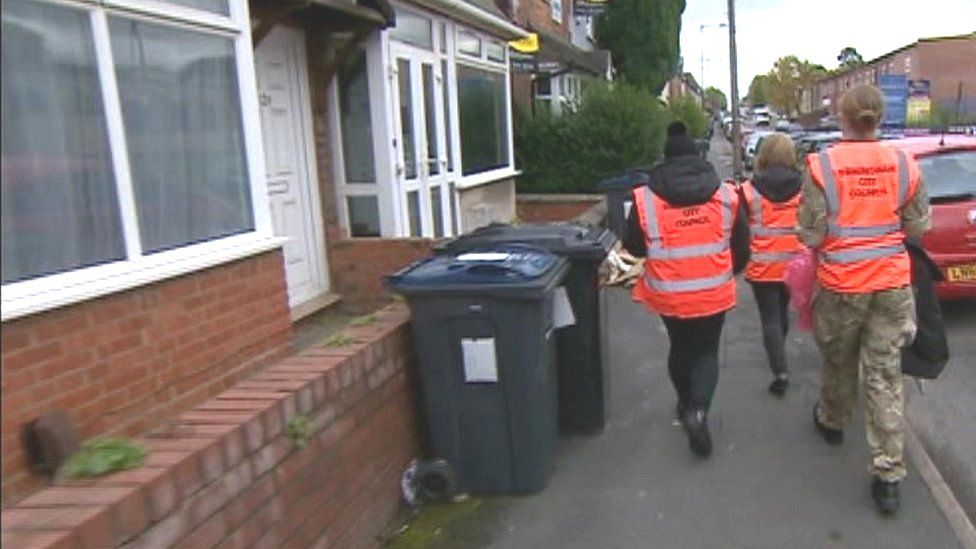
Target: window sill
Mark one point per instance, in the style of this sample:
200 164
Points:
50 292
485 178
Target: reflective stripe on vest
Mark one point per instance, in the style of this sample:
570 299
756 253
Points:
769 257
852 256
655 250
691 285
833 201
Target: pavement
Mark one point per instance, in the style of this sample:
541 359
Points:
771 482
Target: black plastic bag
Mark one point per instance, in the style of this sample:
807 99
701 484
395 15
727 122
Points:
928 354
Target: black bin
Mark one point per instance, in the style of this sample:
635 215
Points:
482 326
619 199
583 374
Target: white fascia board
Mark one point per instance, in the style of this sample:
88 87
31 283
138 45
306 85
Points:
476 17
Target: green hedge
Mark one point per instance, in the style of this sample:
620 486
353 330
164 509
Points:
690 112
616 127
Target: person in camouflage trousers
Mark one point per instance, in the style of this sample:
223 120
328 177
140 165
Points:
863 316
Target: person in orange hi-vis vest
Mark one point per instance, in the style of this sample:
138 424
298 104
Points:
772 198
859 201
690 228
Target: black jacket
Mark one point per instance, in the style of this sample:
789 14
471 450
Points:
687 181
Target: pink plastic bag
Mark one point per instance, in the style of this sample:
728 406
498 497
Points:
801 277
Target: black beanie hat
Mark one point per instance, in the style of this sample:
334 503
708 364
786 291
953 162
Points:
677 128
679 143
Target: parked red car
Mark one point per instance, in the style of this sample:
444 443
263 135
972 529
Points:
949 171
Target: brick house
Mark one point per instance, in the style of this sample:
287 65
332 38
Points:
555 76
182 181
944 62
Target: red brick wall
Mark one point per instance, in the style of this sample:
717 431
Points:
126 362
947 63
228 474
530 211
359 265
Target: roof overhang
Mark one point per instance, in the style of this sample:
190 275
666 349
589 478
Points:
354 16
470 14
555 49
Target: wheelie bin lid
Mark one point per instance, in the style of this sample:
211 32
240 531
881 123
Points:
570 240
626 180
512 271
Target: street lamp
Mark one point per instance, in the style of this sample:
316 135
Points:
701 38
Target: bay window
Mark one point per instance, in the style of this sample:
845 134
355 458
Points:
125 146
483 105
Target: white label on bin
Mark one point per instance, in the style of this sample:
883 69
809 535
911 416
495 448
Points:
483 256
562 309
628 204
478 355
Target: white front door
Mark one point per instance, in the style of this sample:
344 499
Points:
423 175
289 161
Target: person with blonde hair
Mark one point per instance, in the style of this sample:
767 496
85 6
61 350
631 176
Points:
772 198
859 201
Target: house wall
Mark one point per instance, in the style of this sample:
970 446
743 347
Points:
124 363
486 204
228 474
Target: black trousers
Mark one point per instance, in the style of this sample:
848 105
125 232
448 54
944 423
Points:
693 357
773 299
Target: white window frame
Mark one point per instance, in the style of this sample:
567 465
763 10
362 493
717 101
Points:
556 7
485 64
65 288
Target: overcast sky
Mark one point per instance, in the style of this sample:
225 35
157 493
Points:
815 30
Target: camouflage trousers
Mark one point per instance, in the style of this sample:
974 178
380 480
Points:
863 334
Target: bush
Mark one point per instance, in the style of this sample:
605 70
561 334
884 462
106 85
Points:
615 128
690 112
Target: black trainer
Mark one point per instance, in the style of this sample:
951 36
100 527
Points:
779 385
886 495
696 425
832 436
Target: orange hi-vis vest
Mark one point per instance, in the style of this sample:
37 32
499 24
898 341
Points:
688 268
866 185
774 240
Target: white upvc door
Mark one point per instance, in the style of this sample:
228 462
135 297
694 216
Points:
421 156
289 162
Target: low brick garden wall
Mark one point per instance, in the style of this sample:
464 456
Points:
226 473
541 208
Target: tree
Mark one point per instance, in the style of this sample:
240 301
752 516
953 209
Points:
642 36
687 110
787 81
757 94
716 99
849 58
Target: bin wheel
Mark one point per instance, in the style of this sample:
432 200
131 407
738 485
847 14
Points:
436 480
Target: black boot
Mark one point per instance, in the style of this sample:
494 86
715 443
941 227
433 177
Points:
778 386
886 495
832 436
696 425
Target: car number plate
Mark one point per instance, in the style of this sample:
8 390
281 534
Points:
959 273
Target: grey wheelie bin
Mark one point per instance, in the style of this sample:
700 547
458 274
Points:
619 200
583 375
483 330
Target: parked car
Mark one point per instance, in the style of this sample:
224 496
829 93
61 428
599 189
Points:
752 146
948 167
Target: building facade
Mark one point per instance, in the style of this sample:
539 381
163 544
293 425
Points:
945 66
183 180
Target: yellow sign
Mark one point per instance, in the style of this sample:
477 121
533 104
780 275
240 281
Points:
918 110
529 44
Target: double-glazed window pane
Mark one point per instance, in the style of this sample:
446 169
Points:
430 118
364 215
59 204
414 29
215 6
482 105
356 120
405 89
181 108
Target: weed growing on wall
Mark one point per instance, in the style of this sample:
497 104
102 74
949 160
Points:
101 456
